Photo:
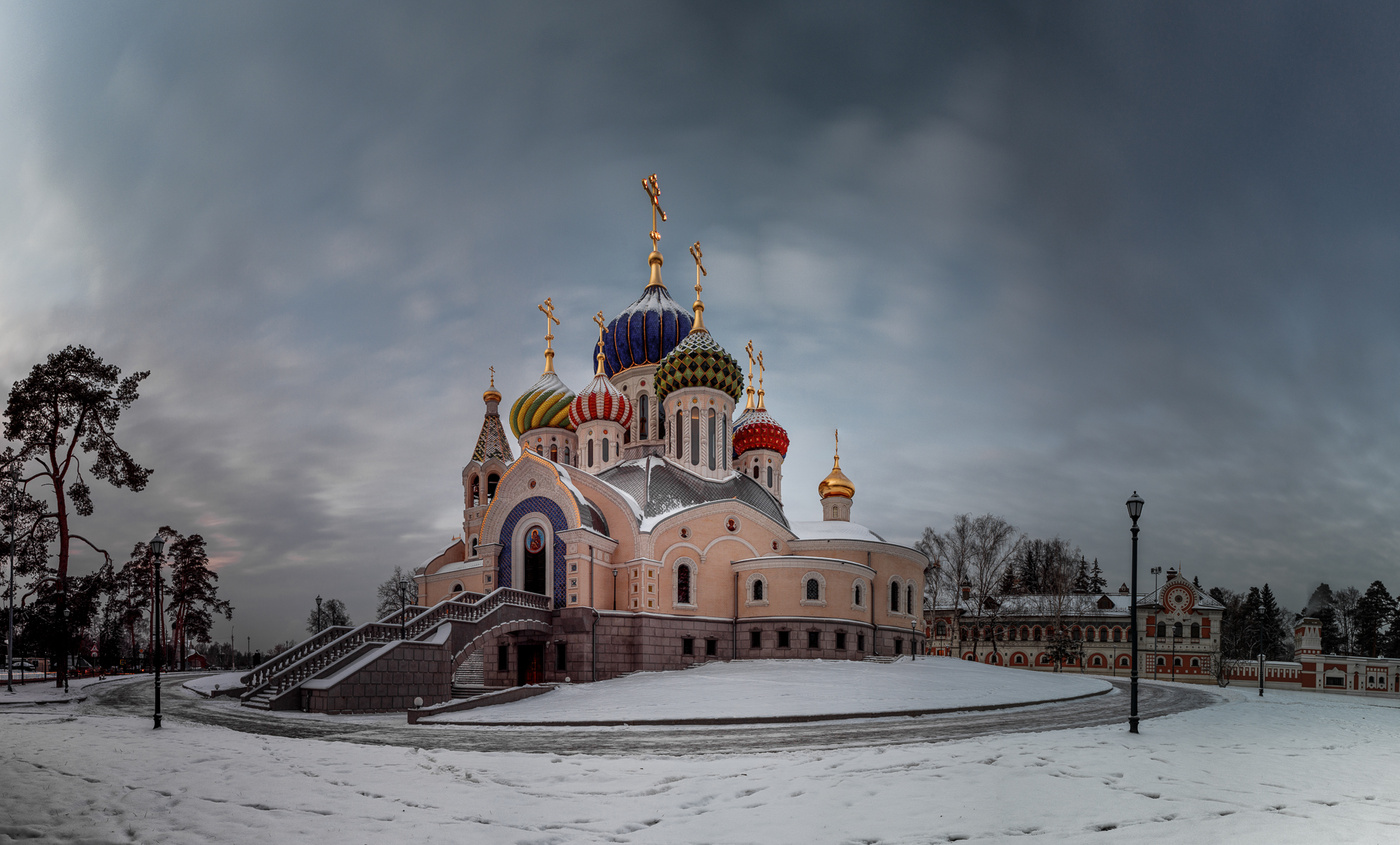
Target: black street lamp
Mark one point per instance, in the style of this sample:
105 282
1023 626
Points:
10 634
404 583
319 626
157 546
913 640
1134 511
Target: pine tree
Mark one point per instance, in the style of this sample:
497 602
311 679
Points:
1373 615
1331 634
1097 583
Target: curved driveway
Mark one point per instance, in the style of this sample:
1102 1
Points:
1154 699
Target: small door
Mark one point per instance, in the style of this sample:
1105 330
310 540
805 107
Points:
530 669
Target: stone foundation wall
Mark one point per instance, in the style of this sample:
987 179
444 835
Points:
412 670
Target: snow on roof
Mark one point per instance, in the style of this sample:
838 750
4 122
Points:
439 554
834 530
1048 605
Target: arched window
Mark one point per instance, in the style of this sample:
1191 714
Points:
770 476
1162 630
566 453
1097 661
491 486
1195 662
695 437
1176 630
1118 635
1161 661
711 441
909 599
1025 632
660 423
590 453
554 452
473 553
1125 662
683 584
758 590
680 419
605 449
643 417
940 630
755 470
814 590
626 436
894 596
1035 633
1089 634
456 588
1195 630
1176 661
476 490
858 592
724 439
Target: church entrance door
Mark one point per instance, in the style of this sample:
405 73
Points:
531 664
536 560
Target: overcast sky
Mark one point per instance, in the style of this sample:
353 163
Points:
1029 258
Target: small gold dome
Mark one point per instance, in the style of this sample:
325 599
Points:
836 484
492 395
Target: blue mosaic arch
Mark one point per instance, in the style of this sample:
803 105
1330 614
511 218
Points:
550 511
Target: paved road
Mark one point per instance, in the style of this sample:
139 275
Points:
1154 699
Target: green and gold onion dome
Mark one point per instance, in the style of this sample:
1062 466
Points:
698 361
544 405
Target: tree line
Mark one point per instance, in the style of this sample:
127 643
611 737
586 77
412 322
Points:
60 437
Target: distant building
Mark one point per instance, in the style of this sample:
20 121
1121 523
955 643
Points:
1179 628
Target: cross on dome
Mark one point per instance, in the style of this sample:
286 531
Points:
654 192
602 330
550 321
749 389
699 325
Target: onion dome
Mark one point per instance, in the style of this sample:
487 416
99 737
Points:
647 329
756 429
698 361
600 400
544 405
836 483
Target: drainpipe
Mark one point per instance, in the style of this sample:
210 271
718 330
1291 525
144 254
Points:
593 606
734 646
874 629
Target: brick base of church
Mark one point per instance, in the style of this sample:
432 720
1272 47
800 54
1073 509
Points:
638 642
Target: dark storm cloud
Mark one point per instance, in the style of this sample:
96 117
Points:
1028 258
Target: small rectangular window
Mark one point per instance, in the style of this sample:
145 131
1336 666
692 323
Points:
687 645
814 639
898 645
711 648
502 658
840 640
561 657
784 639
860 642
755 639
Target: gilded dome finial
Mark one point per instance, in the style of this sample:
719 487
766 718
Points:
602 330
699 324
749 389
836 483
492 394
655 260
760 381
550 321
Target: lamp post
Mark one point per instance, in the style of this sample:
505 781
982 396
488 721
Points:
403 605
319 626
913 640
67 641
1156 646
157 546
10 633
1134 511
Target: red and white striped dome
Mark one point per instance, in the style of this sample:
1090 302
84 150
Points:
600 400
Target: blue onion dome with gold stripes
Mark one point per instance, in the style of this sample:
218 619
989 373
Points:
698 361
645 332
544 405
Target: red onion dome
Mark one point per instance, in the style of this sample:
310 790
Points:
756 429
600 400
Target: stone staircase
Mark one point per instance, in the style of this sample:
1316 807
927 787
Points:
880 658
470 678
274 684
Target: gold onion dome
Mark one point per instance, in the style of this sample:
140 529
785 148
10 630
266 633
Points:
836 484
544 405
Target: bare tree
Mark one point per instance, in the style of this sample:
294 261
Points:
1346 602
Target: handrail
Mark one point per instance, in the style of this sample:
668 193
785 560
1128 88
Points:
316 654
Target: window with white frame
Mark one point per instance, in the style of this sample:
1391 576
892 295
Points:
683 577
757 591
813 586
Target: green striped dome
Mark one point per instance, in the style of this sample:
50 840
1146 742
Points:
698 361
544 405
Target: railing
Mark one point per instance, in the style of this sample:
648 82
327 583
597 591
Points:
282 660
309 659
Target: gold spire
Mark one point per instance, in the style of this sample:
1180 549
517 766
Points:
749 382
760 381
550 321
699 325
602 330
492 395
836 484
655 260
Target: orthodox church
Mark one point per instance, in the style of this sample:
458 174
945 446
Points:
645 513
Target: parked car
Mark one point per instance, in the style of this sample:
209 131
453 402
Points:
23 666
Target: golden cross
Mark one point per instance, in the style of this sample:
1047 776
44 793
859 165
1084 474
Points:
699 324
838 442
749 390
493 377
760 380
654 191
550 321
602 330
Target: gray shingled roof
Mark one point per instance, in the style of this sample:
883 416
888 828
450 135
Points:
661 487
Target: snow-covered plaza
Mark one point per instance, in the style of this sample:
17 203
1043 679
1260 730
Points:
1287 767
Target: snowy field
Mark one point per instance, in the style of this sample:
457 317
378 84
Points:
1289 767
775 688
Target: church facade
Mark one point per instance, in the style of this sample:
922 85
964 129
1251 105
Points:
647 510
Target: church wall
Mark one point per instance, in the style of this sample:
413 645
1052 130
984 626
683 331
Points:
391 683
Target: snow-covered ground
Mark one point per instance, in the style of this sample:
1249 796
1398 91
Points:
1288 767
766 688
44 690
